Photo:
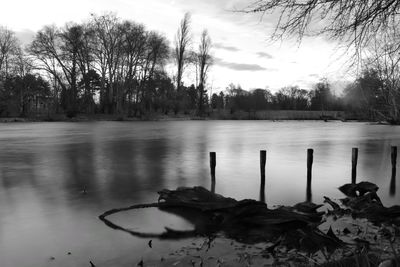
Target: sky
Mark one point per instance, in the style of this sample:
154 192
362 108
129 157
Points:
242 50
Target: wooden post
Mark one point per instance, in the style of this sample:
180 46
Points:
354 159
310 159
263 160
394 156
392 188
213 163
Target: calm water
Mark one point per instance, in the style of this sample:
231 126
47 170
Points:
44 167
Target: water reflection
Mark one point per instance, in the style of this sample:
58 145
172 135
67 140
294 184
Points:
213 163
392 190
310 160
16 169
262 191
78 167
56 178
263 161
308 193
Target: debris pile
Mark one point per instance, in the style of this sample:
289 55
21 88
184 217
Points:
356 228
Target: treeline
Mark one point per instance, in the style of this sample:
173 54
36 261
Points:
107 65
104 65
372 96
288 98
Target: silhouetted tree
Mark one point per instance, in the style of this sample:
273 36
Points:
89 82
204 62
108 55
71 44
182 42
361 97
110 66
23 95
134 47
217 101
236 98
292 98
9 48
156 55
384 59
163 92
321 97
52 56
261 99
89 86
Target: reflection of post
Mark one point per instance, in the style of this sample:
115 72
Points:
263 160
354 158
392 189
310 158
213 163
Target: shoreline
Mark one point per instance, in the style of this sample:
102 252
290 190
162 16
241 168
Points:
168 118
270 115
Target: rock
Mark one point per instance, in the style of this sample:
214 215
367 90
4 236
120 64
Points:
349 190
360 189
366 187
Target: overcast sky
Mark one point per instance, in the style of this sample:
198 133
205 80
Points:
241 47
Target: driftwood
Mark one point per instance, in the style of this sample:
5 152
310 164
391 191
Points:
363 201
247 221
250 221
354 190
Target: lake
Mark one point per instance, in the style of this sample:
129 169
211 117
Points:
56 178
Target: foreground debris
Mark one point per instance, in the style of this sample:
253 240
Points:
357 231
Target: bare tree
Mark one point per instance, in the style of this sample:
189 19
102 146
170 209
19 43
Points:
353 22
9 47
383 59
46 52
120 59
22 64
204 62
108 33
182 41
57 51
71 44
156 54
134 46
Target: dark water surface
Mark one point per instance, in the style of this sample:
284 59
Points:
45 167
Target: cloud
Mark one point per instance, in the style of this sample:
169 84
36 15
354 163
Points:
265 55
241 66
314 75
226 47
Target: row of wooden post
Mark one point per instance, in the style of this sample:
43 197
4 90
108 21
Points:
310 159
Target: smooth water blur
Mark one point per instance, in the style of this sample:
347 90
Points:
45 169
